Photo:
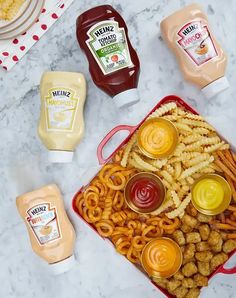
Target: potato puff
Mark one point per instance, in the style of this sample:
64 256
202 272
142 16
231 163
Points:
189 251
185 261
204 256
229 246
189 220
193 237
204 218
202 246
178 236
185 228
179 275
204 268
161 282
189 269
204 231
218 246
224 235
173 284
193 293
181 292
214 238
188 282
218 260
200 280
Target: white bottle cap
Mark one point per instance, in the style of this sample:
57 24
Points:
62 266
57 156
126 98
215 87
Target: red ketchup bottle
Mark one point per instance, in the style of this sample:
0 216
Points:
113 62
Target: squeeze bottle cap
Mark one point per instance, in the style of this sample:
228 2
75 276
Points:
126 98
62 266
57 156
215 87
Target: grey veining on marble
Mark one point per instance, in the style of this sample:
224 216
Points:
101 272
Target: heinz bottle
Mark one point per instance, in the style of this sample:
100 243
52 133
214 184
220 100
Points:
113 62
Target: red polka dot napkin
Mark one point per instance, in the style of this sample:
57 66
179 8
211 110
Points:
12 50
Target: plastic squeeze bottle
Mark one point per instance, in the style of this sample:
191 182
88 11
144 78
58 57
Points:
61 125
200 56
113 62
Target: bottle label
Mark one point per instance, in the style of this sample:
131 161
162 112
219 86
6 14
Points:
108 44
44 223
60 107
196 41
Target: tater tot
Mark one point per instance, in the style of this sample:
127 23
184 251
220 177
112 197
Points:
204 231
218 260
185 228
181 292
204 218
161 282
193 293
189 221
185 261
173 284
214 238
204 268
179 275
200 280
188 282
178 236
204 256
229 245
218 246
202 246
193 237
189 251
189 269
223 235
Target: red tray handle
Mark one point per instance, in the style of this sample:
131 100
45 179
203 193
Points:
107 138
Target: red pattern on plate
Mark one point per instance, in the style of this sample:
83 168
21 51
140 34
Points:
35 37
15 58
15 41
22 48
44 27
54 16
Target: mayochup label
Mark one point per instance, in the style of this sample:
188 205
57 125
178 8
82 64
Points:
196 41
108 44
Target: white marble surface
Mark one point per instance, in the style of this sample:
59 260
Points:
23 166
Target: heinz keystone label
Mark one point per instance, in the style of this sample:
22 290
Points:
196 41
108 44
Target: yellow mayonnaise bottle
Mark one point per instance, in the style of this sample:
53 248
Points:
61 125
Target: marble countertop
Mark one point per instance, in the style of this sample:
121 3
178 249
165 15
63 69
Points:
100 272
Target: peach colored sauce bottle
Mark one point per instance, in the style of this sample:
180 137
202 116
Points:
51 233
201 58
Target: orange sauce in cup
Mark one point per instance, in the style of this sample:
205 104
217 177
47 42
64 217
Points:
161 257
157 138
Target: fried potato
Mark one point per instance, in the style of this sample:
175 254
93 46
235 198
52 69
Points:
214 238
178 236
189 221
189 251
179 275
204 218
173 284
181 292
229 246
189 269
185 261
204 268
185 228
202 246
193 237
188 282
200 280
161 282
204 231
218 260
204 256
193 293
218 246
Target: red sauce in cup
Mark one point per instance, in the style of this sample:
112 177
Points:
144 192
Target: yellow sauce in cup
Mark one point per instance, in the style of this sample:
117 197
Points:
157 138
161 257
211 194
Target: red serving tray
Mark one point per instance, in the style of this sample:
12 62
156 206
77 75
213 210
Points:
103 161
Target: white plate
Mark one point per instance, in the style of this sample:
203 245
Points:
21 19
27 24
21 11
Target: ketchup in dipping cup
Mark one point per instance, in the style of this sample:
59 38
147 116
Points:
157 138
161 257
211 194
144 192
